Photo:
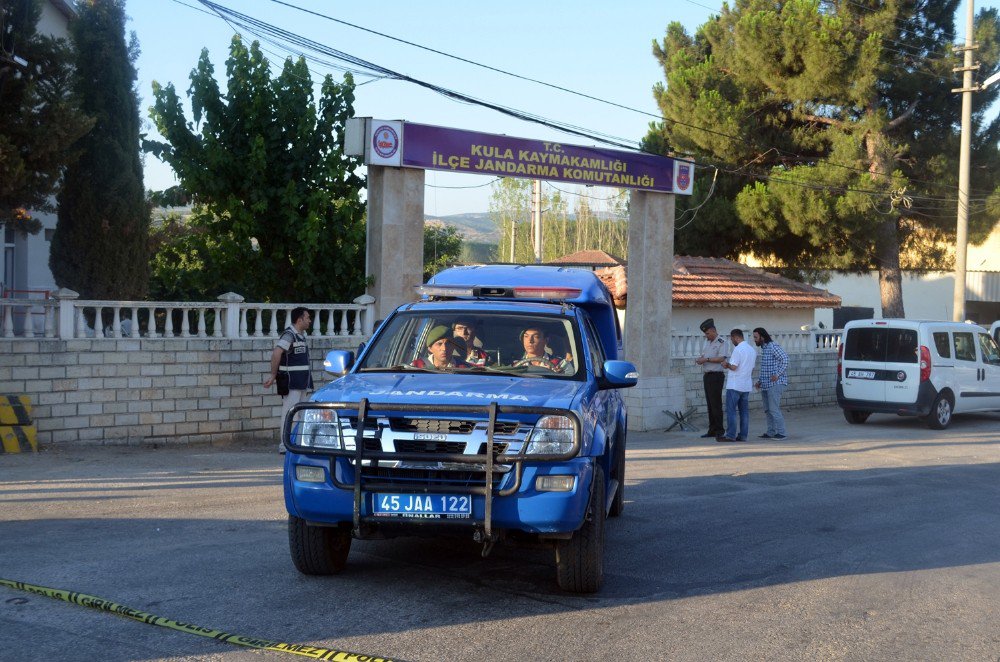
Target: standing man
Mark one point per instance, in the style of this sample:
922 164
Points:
739 383
712 356
290 364
771 381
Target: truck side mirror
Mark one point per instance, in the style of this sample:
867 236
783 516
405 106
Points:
338 362
619 374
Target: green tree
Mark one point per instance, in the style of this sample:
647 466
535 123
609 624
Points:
39 118
442 248
278 214
99 247
835 127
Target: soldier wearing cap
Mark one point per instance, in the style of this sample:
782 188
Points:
711 358
440 349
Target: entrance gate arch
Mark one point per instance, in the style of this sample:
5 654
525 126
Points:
397 153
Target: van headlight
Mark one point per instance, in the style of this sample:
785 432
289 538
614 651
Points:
552 435
320 428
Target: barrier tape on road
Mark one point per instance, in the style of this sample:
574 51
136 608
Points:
93 602
17 432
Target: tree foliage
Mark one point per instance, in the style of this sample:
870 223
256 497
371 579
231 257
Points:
592 223
278 213
442 248
99 247
835 128
39 117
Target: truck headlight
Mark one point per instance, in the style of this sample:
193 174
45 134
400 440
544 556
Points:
552 435
320 429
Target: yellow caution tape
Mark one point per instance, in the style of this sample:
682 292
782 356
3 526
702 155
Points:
15 410
18 439
250 642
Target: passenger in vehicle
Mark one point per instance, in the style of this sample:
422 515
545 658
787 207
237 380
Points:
535 340
440 350
464 330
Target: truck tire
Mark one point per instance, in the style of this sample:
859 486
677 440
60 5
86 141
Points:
856 416
941 411
580 560
618 472
317 550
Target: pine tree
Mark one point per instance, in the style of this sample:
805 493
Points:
834 125
100 244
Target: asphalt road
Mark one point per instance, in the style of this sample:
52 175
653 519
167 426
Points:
879 541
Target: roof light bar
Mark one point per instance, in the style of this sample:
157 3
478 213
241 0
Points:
557 293
443 290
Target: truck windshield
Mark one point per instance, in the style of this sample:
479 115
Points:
527 345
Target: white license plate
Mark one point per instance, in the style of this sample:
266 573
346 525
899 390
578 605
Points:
426 506
861 374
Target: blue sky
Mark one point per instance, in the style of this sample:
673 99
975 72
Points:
600 49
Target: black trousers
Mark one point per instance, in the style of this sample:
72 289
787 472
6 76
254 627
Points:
713 396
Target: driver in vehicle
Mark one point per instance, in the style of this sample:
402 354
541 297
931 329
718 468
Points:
440 350
534 340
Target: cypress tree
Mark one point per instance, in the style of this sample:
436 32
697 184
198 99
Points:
100 245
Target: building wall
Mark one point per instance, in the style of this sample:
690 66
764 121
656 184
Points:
688 320
156 391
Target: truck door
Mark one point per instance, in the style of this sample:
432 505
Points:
864 363
902 365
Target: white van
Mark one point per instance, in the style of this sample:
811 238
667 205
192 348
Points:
917 368
995 331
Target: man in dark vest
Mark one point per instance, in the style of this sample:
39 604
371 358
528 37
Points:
290 364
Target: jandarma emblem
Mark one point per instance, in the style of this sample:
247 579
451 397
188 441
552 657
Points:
385 142
683 176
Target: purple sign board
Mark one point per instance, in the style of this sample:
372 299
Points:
441 148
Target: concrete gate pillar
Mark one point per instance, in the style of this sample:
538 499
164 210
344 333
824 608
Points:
648 312
394 256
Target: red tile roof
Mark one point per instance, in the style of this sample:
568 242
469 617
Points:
700 282
589 258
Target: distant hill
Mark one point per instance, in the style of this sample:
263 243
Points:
475 228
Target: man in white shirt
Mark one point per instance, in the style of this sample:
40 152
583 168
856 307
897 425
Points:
739 383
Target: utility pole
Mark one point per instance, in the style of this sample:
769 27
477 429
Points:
962 229
513 238
536 217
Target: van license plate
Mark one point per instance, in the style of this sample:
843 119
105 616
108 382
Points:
861 374
434 506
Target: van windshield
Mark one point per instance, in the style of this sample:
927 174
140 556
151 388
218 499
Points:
882 345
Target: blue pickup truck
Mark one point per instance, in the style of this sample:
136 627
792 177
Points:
489 408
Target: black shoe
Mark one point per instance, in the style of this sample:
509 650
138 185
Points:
724 438
780 436
708 435
764 436
738 439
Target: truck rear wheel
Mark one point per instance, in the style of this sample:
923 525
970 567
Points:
941 411
580 560
317 550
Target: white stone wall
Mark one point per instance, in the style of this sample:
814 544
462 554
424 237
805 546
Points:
150 390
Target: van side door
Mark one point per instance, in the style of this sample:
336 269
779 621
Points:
990 354
968 370
902 365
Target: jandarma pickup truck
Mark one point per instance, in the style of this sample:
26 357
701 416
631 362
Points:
489 408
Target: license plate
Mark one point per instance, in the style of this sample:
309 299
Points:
861 374
425 506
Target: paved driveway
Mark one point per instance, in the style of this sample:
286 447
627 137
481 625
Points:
879 541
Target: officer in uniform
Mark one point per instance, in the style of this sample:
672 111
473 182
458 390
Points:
290 364
534 340
711 358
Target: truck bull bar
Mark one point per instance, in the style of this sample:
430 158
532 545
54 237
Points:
489 459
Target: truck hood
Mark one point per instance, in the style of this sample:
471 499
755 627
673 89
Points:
450 389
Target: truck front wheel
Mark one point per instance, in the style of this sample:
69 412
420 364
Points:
317 550
580 560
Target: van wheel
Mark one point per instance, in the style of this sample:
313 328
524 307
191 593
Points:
580 560
317 550
618 502
940 415
855 416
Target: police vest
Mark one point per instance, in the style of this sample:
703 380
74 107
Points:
295 362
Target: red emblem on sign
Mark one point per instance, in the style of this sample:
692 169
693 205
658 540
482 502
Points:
683 177
385 142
